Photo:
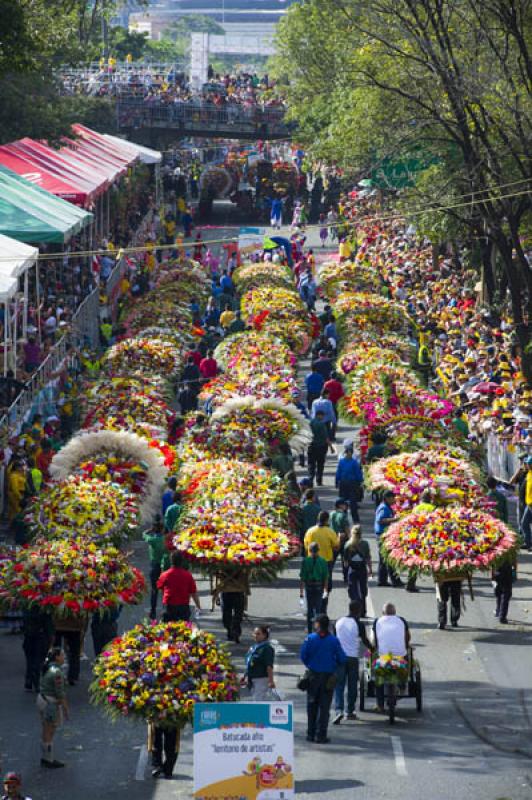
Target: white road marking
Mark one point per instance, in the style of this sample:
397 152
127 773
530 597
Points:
141 763
399 756
369 606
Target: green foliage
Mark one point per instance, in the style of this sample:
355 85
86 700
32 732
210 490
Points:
192 23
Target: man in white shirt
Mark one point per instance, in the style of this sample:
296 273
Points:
390 635
351 634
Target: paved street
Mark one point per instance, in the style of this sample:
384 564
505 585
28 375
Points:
473 739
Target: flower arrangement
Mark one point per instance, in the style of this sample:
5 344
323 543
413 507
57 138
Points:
280 312
371 308
120 457
138 411
143 355
224 388
375 389
216 528
157 673
83 507
254 351
390 668
348 276
453 540
71 576
363 354
408 430
250 276
449 479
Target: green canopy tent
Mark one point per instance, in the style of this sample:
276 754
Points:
32 215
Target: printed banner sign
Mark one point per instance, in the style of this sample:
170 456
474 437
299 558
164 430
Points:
243 751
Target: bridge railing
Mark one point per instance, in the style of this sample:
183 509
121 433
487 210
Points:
134 114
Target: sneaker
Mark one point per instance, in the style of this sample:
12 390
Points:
352 715
454 624
503 621
412 589
495 613
156 772
51 764
323 740
441 626
338 717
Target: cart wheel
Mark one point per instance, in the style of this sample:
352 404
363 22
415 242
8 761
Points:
362 694
419 692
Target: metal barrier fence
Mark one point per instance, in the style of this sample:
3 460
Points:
195 116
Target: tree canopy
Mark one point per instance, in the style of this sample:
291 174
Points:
444 85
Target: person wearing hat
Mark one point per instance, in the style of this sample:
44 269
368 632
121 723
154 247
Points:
13 787
313 577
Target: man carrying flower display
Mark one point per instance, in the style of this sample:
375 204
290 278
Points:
384 516
178 587
450 588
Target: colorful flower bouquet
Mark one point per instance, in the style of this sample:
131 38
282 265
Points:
408 430
375 389
157 673
450 480
253 351
371 308
83 507
453 541
250 276
150 356
390 668
137 411
71 576
348 276
120 457
263 385
362 355
280 312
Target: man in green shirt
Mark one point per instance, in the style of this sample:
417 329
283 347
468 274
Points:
310 508
460 423
314 577
171 515
340 524
317 451
159 559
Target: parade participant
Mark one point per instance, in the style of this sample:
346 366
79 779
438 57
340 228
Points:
209 366
260 660
324 404
52 704
172 513
178 587
351 634
104 628
328 541
70 629
13 787
322 655
309 511
233 588
340 525
377 449
498 498
168 494
357 564
526 519
314 579
349 481
390 636
384 516
155 539
314 383
163 742
38 629
227 317
425 506
317 450
323 364
238 325
448 588
503 577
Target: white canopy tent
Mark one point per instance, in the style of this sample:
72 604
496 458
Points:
16 259
145 154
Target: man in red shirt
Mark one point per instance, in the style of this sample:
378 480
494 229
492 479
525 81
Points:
178 586
336 391
209 366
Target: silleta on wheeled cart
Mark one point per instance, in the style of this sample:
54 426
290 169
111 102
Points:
393 691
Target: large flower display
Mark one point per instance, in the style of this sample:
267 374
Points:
248 276
449 478
368 309
71 576
216 528
280 312
83 507
408 429
451 540
143 355
375 389
117 456
157 673
138 411
336 278
255 351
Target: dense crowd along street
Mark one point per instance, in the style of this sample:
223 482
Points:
266 443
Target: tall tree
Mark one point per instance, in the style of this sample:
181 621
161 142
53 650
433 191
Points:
447 80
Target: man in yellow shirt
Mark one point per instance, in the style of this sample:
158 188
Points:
345 250
329 543
227 318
